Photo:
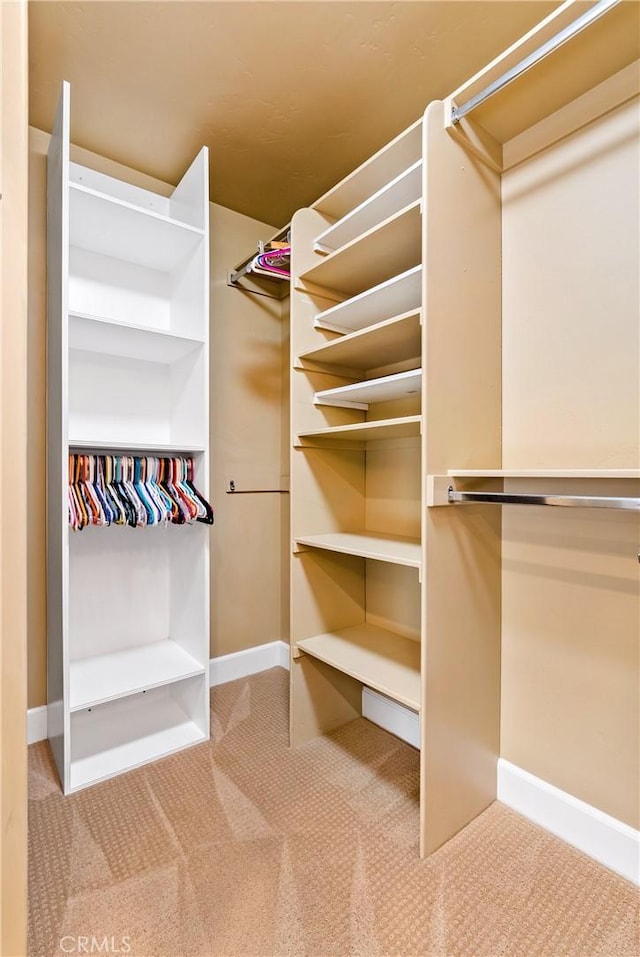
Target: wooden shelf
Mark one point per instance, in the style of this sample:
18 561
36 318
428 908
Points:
387 201
113 227
117 674
377 255
396 296
382 167
359 395
407 426
380 659
102 335
392 340
383 548
546 473
113 445
113 739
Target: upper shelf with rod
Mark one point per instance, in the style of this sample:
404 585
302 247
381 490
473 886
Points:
504 118
267 271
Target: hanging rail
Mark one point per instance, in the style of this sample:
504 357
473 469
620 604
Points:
600 8
455 497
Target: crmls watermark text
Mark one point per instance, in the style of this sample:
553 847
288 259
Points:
95 945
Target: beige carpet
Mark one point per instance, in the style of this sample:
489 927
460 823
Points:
243 847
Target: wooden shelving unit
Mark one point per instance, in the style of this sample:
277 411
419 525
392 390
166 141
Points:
444 284
128 369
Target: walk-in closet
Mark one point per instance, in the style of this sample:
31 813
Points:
323 382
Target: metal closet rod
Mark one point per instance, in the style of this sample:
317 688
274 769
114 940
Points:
515 498
603 6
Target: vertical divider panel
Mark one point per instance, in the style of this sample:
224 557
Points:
327 494
57 447
462 423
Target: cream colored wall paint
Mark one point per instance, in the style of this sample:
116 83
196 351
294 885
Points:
13 441
571 385
248 603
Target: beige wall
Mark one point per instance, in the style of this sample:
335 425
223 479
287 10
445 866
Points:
13 462
571 390
248 601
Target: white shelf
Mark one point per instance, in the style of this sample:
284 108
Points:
102 742
546 473
387 201
103 678
383 166
392 340
380 659
377 255
113 445
383 548
102 335
407 426
399 295
113 227
360 395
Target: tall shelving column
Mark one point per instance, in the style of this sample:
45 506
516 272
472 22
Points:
128 357
356 390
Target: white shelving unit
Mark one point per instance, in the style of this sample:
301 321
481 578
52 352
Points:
128 609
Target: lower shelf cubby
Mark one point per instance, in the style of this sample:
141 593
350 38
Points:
380 659
124 734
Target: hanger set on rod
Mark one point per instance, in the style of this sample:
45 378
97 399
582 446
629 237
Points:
134 490
274 259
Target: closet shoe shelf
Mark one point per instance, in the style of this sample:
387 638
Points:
117 674
359 395
393 297
99 334
379 254
380 659
392 340
384 548
389 200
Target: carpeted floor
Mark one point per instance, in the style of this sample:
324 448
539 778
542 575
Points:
243 847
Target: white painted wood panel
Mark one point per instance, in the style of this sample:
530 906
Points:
384 389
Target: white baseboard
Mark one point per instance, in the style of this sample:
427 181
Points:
604 838
36 724
393 717
240 664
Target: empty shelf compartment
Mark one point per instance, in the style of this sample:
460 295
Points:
359 395
394 549
387 201
394 297
380 659
406 426
393 340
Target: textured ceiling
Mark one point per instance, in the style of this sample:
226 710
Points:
288 96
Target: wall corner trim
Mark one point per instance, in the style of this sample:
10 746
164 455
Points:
600 836
240 664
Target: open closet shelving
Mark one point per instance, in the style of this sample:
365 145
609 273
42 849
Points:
420 263
128 608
